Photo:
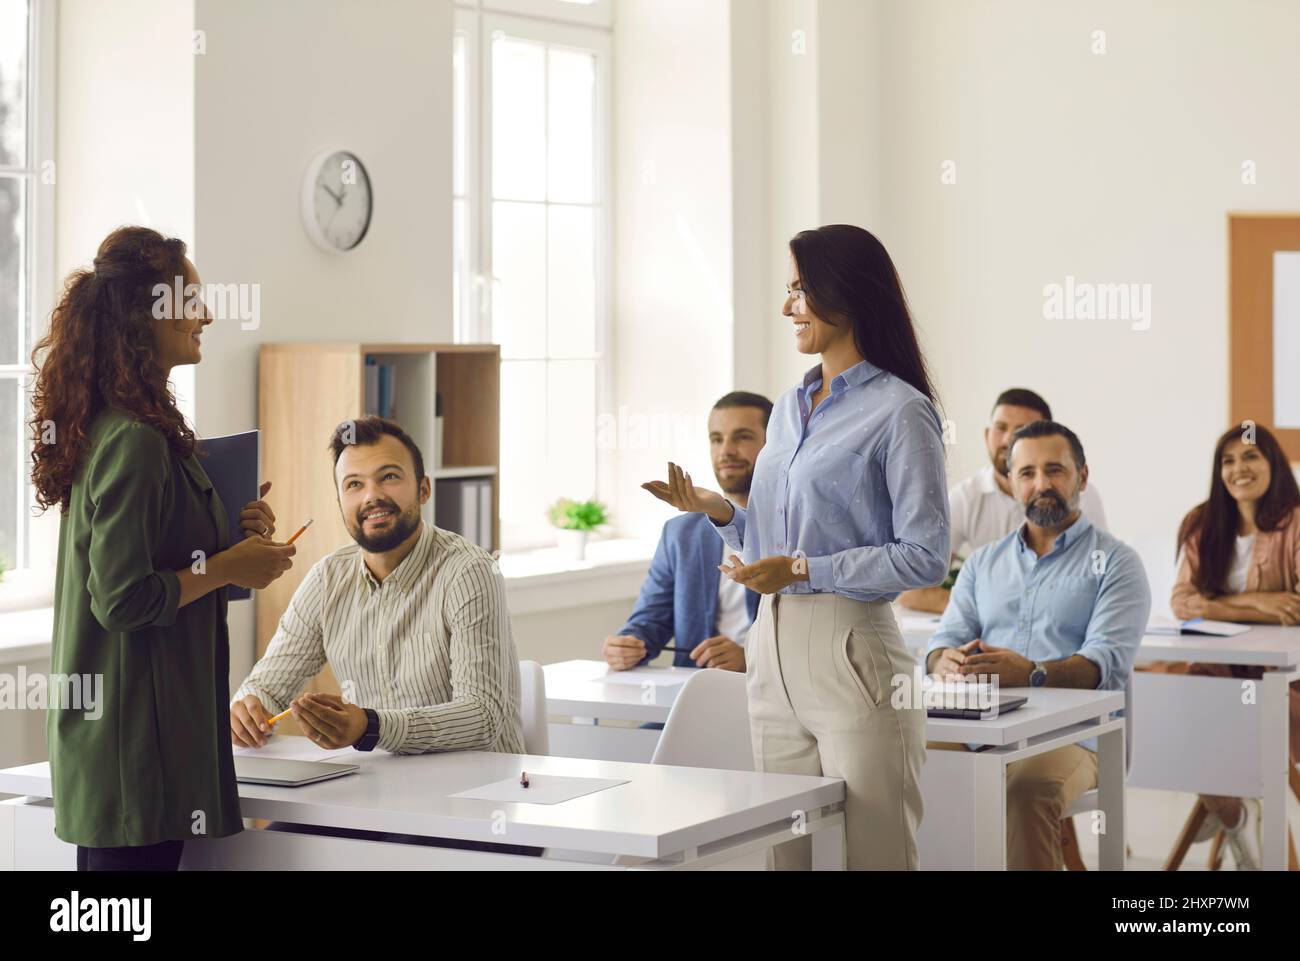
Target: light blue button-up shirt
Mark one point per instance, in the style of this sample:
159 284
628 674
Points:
1088 595
859 488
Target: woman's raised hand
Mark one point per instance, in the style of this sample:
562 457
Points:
685 496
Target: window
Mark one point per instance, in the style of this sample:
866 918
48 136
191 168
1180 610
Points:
530 243
26 262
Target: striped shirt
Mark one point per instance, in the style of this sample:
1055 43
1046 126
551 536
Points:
429 649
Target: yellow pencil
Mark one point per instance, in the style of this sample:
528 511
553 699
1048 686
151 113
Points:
279 717
295 537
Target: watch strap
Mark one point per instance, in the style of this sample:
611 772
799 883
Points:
371 737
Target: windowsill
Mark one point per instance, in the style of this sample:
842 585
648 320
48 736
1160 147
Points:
536 581
27 589
548 580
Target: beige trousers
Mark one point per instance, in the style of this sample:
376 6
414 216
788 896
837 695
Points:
819 669
1040 789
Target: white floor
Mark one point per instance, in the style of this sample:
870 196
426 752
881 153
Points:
1154 820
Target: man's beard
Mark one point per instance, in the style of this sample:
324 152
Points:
1000 463
404 524
740 485
1048 509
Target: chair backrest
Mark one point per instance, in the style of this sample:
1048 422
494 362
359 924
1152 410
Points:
708 725
1128 724
532 708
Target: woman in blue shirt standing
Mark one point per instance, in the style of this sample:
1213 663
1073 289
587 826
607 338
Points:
848 508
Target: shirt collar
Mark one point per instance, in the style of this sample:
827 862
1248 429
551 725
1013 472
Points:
409 570
859 373
986 482
1065 539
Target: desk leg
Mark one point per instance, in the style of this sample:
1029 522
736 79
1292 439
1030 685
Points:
1110 795
829 848
1275 726
989 808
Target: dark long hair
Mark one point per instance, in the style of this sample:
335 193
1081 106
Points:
1213 524
849 279
99 352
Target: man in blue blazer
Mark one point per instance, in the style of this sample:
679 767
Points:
685 599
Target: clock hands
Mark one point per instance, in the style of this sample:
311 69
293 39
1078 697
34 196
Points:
338 198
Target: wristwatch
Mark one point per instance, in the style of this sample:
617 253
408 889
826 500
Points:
1038 676
371 737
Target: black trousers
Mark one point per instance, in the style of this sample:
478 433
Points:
165 856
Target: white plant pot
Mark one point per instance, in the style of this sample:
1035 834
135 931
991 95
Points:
573 544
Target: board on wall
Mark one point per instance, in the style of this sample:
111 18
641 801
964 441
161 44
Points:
1264 324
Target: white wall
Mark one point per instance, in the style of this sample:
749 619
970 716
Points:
124 134
808 117
279 83
1115 168
673 235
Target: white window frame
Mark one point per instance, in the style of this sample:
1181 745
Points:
478 22
37 283
598 13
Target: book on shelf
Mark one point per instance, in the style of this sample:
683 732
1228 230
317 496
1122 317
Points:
463 505
381 388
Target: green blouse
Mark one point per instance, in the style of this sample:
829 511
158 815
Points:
156 765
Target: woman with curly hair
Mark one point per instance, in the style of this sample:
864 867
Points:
143 563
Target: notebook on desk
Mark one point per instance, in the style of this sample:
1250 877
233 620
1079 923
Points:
1197 625
284 773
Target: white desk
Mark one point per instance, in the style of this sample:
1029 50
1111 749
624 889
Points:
663 818
917 627
1207 735
576 689
964 826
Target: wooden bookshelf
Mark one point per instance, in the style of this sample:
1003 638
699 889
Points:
306 390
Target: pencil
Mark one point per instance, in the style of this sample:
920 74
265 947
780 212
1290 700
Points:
295 537
279 717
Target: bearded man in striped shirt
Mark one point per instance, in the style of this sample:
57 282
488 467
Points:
411 618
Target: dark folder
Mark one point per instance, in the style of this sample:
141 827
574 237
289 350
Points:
232 466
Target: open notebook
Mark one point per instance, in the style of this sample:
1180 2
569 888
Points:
1197 625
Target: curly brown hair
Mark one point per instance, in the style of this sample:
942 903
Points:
99 352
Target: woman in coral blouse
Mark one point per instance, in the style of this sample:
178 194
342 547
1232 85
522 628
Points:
1240 561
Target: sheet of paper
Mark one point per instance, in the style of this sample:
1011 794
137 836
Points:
542 789
638 678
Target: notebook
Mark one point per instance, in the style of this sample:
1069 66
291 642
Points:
283 773
1197 625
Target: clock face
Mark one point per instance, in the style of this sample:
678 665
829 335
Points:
338 207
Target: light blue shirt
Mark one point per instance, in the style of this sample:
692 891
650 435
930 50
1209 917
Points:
859 489
1088 595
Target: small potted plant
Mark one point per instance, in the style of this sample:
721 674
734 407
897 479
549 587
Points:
953 571
576 520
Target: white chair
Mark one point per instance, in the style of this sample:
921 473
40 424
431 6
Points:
708 725
532 708
1089 801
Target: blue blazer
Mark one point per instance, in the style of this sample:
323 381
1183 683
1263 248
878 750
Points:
679 599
